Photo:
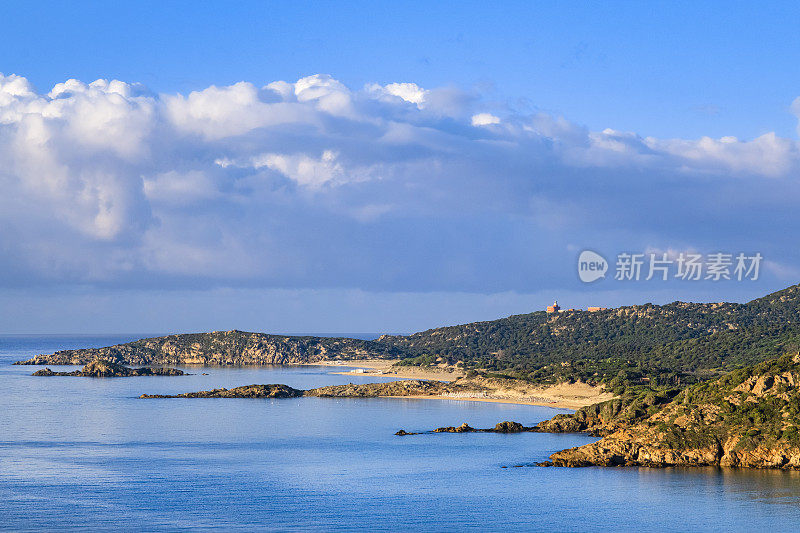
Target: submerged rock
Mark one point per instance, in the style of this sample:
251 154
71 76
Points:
100 368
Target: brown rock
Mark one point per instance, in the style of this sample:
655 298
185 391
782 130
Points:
247 391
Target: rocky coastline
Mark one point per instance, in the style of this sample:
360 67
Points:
748 418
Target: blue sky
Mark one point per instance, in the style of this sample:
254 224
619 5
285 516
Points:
669 69
371 166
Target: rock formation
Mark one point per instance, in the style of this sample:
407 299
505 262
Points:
100 368
246 391
501 427
463 428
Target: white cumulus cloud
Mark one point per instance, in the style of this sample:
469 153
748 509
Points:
388 187
407 92
303 169
485 119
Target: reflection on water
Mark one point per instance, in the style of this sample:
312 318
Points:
87 453
769 486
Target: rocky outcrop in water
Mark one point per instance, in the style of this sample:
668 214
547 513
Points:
749 418
101 368
501 427
223 348
246 391
463 428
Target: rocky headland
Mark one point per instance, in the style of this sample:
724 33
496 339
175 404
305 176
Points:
224 348
101 368
748 418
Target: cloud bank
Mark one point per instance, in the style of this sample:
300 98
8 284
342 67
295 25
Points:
393 187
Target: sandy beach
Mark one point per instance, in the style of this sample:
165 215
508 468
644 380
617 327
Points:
384 368
563 396
542 403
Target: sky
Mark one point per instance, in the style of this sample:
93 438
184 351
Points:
385 167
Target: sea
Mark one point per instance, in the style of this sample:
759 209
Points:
88 454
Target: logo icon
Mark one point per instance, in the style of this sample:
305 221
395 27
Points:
591 266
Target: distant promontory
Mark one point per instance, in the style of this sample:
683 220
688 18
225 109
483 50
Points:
222 348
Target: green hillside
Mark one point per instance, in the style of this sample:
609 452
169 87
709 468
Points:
671 344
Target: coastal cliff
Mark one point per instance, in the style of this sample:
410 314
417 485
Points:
748 418
223 348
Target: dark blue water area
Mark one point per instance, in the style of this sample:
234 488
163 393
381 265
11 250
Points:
88 454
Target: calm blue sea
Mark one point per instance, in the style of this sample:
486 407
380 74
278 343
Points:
80 453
